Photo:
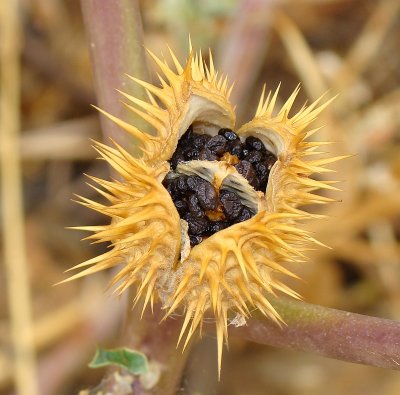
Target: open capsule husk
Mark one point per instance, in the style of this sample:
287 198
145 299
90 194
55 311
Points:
233 271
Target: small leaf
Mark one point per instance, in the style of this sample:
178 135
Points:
132 360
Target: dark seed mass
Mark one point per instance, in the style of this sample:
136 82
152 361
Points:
207 196
194 207
246 169
217 226
254 157
207 210
228 134
197 226
217 145
235 147
245 214
194 240
206 154
255 143
231 204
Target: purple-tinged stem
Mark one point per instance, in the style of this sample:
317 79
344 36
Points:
332 333
116 41
158 340
244 46
115 36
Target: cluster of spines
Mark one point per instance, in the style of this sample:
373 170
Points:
232 272
258 247
275 234
293 183
143 223
173 95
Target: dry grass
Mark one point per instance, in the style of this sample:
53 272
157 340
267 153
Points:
348 47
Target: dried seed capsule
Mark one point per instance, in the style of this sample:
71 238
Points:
213 281
206 154
231 204
197 226
245 214
254 157
255 144
228 134
194 206
217 145
207 196
246 169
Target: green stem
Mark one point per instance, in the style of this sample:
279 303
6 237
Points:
332 333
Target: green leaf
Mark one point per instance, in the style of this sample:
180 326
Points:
132 360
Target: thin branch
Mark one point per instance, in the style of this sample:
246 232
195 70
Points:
332 333
158 340
115 35
245 44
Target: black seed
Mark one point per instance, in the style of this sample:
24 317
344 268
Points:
235 147
228 134
193 182
263 186
177 157
207 196
255 144
191 154
197 226
188 135
246 169
206 154
254 157
200 140
217 145
181 184
261 169
170 186
194 206
217 226
181 206
262 174
194 240
244 153
231 204
245 215
166 181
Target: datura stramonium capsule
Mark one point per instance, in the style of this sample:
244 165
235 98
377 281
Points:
205 219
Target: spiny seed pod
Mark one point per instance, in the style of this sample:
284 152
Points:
206 217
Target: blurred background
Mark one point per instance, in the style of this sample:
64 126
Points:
346 47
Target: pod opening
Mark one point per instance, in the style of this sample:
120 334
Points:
206 207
